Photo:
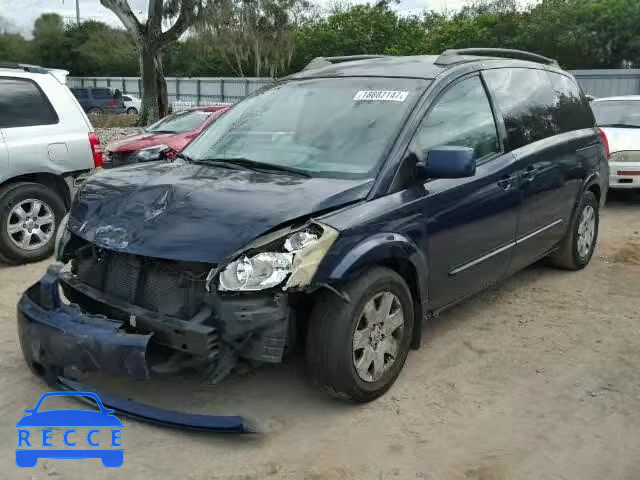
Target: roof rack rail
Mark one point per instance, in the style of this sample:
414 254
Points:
448 57
320 62
23 67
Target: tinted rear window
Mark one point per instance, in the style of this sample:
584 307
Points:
22 104
527 102
574 112
617 113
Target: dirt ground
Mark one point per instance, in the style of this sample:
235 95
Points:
536 378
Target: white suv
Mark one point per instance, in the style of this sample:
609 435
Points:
46 143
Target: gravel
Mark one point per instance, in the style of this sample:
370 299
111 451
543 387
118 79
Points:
108 135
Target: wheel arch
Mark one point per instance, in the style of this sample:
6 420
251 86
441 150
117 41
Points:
398 253
49 180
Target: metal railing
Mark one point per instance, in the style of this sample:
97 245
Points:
193 91
211 90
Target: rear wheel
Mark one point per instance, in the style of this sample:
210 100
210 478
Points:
356 349
576 250
94 111
132 111
29 216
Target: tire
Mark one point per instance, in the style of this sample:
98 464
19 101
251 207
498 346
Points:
42 243
572 254
331 354
132 111
94 111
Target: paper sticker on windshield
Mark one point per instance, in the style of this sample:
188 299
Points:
381 95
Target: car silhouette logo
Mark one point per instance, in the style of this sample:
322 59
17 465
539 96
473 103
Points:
28 452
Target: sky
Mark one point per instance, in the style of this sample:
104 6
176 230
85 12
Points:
20 14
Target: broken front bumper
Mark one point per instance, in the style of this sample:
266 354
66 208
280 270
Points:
54 336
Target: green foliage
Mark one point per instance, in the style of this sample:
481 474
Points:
359 29
578 33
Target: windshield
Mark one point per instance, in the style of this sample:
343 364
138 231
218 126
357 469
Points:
333 127
617 113
180 122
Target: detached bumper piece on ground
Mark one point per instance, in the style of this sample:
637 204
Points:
54 336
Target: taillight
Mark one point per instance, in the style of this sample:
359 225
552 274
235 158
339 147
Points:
605 143
112 104
96 149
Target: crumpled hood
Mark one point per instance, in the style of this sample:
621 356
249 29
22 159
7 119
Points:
202 213
622 139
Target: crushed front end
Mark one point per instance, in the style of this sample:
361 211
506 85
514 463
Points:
132 315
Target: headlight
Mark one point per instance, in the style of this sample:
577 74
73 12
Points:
62 237
295 257
149 154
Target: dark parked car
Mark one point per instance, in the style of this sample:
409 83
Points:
333 212
97 100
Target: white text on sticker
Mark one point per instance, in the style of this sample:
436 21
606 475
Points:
381 95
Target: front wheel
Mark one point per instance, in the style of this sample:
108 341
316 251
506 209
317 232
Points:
356 349
132 111
29 216
576 249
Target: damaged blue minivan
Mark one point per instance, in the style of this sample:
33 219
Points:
330 213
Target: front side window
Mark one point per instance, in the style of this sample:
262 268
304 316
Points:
22 104
617 113
181 122
331 127
527 101
461 117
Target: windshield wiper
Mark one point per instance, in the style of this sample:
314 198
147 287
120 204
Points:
619 125
257 166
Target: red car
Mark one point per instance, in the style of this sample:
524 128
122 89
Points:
172 133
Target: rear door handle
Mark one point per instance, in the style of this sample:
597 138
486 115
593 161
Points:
506 182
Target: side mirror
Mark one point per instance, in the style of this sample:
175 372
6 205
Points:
448 162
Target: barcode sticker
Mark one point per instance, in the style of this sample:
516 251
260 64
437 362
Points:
381 96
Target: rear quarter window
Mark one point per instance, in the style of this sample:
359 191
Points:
526 100
23 104
574 112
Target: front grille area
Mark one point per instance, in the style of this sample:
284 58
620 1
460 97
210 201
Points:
171 288
627 156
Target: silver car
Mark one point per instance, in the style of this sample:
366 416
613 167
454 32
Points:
46 144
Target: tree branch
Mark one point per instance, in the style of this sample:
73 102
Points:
184 21
154 15
126 16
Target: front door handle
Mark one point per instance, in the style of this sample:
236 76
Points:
506 182
530 173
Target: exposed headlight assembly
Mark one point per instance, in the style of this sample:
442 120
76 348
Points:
294 258
149 154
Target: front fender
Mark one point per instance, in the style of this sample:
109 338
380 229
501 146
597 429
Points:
377 249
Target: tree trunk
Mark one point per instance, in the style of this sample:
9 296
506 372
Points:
155 99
